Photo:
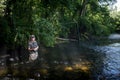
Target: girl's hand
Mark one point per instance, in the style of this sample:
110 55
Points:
31 49
35 49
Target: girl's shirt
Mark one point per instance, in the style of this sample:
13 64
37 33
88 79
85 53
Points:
32 44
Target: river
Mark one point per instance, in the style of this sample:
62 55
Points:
69 61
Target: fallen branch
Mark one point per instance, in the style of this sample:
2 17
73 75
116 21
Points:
63 39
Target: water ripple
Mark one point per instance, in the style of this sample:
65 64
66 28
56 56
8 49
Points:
112 59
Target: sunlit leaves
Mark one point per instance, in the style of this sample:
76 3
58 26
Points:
2 7
116 17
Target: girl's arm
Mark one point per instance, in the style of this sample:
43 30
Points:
36 48
30 49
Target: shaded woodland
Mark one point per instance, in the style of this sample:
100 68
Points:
50 19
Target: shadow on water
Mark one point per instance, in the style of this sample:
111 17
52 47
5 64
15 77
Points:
65 61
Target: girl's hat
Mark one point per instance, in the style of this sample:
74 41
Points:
32 36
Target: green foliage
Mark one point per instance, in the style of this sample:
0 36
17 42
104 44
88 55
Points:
2 7
100 24
44 29
116 21
48 19
4 31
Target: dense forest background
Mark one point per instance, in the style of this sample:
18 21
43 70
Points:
50 19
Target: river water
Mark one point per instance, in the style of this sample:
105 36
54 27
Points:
111 61
69 61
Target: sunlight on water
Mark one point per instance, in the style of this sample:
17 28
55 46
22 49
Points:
115 45
84 66
68 68
114 36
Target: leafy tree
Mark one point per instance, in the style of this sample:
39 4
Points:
48 19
